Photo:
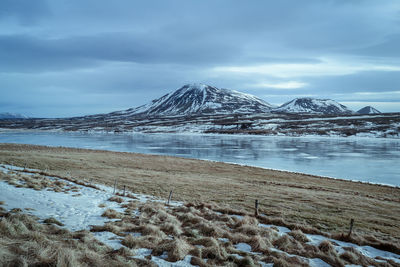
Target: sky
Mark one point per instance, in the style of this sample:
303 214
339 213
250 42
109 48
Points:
61 58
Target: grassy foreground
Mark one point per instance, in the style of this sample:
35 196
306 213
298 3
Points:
26 242
289 199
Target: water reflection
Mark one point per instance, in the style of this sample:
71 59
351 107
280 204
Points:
373 160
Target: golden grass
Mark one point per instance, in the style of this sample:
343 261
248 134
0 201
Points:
309 203
359 258
108 227
116 199
52 220
112 214
299 236
177 249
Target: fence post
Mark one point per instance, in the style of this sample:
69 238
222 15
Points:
124 190
351 226
256 208
170 196
115 185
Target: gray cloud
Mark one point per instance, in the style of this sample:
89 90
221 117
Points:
27 53
389 47
24 11
369 81
78 54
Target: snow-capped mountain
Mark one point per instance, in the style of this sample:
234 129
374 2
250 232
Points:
202 108
8 115
368 110
313 105
201 99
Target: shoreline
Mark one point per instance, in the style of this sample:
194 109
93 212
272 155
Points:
308 174
351 137
296 170
224 162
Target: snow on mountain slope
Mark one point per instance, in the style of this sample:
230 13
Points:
201 99
368 110
312 105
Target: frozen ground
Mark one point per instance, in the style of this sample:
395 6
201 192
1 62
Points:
272 124
80 210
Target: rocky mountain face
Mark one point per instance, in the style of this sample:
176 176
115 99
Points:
194 99
314 106
368 110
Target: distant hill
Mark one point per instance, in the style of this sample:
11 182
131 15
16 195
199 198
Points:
368 110
8 115
314 106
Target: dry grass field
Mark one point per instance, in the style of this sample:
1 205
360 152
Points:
312 204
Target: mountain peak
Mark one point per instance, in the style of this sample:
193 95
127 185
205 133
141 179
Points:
314 105
198 98
196 86
368 110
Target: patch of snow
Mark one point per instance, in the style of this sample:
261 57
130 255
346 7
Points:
237 256
365 250
163 263
314 262
111 239
243 247
140 253
164 255
237 216
263 264
76 213
281 229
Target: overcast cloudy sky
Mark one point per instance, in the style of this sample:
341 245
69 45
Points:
67 58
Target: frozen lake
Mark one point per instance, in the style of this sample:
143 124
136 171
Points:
363 159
